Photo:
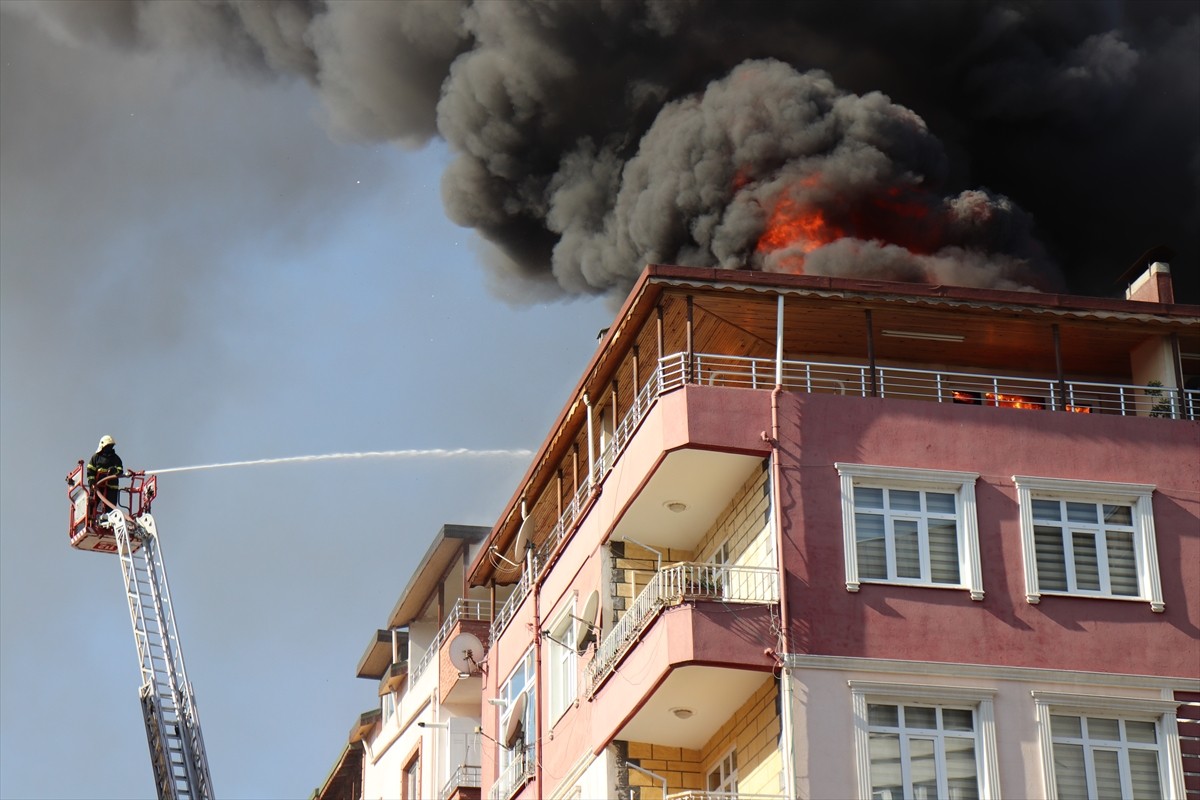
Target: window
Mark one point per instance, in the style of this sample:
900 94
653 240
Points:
914 527
922 752
1088 538
724 777
563 663
411 787
387 702
520 684
1109 747
924 742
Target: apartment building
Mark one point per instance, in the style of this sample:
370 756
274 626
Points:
798 536
422 740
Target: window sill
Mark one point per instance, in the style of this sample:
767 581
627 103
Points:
1034 599
977 596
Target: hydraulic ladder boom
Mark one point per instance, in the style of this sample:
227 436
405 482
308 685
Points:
172 725
168 706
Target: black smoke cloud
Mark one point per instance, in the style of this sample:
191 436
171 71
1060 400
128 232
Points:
1016 144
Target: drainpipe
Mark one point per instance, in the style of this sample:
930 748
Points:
1058 368
539 683
871 355
779 342
1180 412
787 742
691 352
591 445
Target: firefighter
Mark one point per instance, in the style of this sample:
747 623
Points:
105 463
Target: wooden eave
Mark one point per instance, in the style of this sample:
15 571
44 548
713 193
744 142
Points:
439 559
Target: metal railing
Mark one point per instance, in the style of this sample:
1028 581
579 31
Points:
512 777
696 794
508 609
623 433
686 580
463 609
942 386
465 777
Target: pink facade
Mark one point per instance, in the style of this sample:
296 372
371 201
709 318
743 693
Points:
933 624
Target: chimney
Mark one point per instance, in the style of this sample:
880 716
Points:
1154 285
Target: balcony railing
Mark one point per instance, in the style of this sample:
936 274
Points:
465 777
508 608
936 385
462 610
724 582
512 777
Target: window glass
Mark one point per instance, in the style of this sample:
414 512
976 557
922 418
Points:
1105 757
910 526
922 751
906 535
1093 551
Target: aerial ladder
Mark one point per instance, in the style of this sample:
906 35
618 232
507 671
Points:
127 529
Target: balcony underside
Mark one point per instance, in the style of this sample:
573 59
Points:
689 456
704 657
683 497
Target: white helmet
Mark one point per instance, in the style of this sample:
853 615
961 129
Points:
105 441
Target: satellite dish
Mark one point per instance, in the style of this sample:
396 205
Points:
512 727
465 652
522 540
586 631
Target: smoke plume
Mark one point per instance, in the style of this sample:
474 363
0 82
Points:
1015 144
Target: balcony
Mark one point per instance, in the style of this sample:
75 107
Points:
463 610
692 795
670 586
512 777
464 784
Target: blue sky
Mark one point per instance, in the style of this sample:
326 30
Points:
190 263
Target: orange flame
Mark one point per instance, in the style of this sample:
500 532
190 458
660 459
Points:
799 228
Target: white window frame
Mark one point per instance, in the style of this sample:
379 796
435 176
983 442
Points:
982 700
387 705
563 681
1145 548
1161 712
961 484
527 749
726 770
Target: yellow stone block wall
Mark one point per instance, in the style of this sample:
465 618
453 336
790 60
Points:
754 731
743 524
634 569
682 768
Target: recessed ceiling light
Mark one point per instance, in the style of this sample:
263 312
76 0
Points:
675 506
682 713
